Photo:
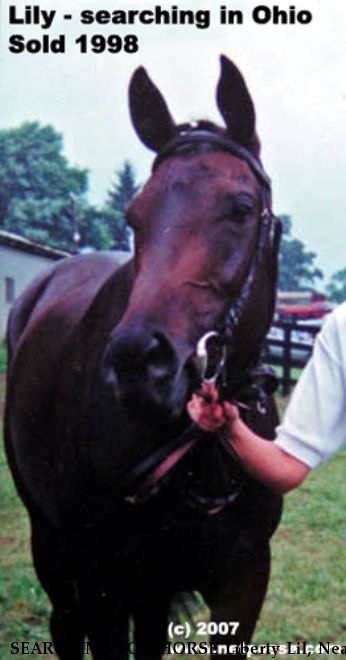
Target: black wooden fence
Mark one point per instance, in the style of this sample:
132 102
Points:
289 345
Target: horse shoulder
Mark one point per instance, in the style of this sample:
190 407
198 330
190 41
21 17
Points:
65 290
44 326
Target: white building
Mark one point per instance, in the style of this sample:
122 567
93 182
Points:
20 261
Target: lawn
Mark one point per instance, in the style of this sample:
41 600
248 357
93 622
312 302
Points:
3 359
307 594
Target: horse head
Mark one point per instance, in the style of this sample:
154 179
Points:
204 254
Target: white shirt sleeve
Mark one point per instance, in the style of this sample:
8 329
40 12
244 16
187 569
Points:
314 425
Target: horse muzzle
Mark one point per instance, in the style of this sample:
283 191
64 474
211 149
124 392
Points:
142 366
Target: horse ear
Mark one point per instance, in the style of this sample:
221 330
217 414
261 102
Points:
149 112
236 106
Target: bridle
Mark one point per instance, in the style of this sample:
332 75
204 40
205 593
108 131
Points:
190 136
144 480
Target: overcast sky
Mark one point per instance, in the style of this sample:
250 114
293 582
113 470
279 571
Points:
296 75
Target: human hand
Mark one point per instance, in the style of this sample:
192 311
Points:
208 413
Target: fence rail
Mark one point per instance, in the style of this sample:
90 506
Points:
289 345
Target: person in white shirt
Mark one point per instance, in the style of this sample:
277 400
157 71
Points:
314 425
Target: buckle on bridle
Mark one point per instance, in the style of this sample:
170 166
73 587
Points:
211 354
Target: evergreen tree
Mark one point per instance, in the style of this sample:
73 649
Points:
43 197
119 196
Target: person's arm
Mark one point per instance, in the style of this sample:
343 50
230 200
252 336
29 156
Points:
314 425
261 458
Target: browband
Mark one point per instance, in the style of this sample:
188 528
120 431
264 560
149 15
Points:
192 135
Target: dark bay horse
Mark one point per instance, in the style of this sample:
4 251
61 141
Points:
129 503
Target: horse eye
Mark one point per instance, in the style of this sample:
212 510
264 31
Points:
242 212
237 209
239 214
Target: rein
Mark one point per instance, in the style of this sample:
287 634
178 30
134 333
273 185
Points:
145 479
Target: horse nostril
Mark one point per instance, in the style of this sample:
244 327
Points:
160 356
141 356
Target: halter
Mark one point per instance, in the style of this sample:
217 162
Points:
152 470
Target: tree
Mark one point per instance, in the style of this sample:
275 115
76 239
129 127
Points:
297 268
119 196
38 184
336 288
102 228
124 188
91 226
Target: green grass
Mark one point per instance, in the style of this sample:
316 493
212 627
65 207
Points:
306 599
3 358
295 373
307 594
24 608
